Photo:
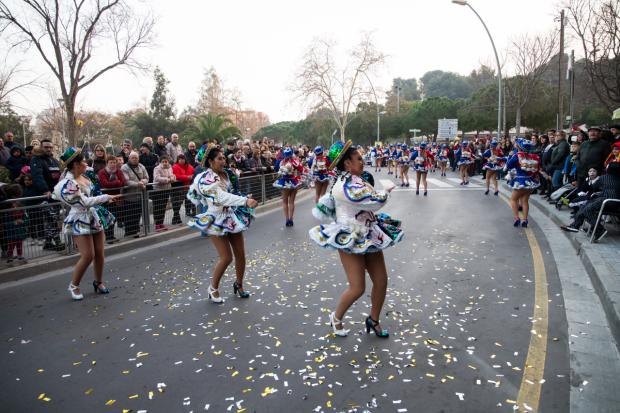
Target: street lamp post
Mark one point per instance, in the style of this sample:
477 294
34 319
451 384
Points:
499 69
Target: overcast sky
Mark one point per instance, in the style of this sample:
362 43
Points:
256 46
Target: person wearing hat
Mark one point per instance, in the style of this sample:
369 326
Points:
443 156
614 155
615 131
290 174
422 160
227 215
320 173
464 157
524 167
86 220
610 189
494 162
592 154
404 159
357 233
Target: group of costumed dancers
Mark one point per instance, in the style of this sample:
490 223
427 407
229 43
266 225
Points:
346 201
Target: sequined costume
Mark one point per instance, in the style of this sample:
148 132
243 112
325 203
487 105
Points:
523 168
87 216
356 229
464 156
494 159
226 211
422 160
319 169
290 174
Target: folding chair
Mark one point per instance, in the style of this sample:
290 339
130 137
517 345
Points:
610 207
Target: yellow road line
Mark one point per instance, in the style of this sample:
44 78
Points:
534 369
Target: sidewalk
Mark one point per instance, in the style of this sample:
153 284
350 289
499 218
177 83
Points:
601 260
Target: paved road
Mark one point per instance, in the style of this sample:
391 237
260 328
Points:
459 308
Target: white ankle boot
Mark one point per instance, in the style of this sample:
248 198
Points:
213 299
342 332
75 296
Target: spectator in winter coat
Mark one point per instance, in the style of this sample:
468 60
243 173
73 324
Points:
112 180
163 177
190 154
4 153
558 156
173 148
159 148
148 159
99 160
126 149
592 154
9 140
136 179
184 173
16 162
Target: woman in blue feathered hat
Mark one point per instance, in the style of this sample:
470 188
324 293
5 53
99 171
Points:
523 167
290 178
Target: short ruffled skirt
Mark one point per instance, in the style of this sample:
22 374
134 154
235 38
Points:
523 182
90 222
420 168
320 177
442 159
231 220
464 162
492 166
378 236
288 182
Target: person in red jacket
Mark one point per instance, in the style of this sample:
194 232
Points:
111 180
184 173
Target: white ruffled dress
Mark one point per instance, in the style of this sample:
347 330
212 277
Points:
226 212
356 229
86 216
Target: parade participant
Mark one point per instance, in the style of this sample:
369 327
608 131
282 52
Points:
494 162
290 174
378 154
357 234
86 221
422 160
442 158
434 151
524 167
464 158
394 159
228 214
320 173
403 161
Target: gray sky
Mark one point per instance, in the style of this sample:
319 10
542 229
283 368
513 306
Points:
256 46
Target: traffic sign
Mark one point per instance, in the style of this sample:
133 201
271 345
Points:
447 128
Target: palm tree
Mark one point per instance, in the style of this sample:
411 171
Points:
210 127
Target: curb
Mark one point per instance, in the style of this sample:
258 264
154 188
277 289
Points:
602 279
51 263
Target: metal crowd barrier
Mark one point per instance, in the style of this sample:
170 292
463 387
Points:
34 228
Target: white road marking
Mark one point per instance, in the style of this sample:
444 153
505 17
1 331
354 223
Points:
439 183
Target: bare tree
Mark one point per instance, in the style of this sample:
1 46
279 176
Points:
68 33
10 82
596 25
530 55
321 83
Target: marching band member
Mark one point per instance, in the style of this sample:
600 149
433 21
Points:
442 158
320 173
422 160
465 157
494 162
524 167
290 173
357 233
228 214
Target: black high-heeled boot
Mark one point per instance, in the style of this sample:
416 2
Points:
372 325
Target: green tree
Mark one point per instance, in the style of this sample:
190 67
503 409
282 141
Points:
162 106
211 127
424 114
438 83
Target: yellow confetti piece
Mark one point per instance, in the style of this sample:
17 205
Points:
431 375
217 353
241 410
41 396
329 403
268 391
235 373
89 391
141 354
125 371
278 343
110 402
92 363
511 401
472 367
151 395
246 391
134 396
40 370
391 377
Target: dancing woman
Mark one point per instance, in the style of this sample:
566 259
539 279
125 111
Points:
290 179
464 158
442 158
403 161
320 173
378 155
357 234
422 160
523 168
228 214
494 162
86 221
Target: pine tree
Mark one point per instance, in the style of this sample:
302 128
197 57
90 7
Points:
162 106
